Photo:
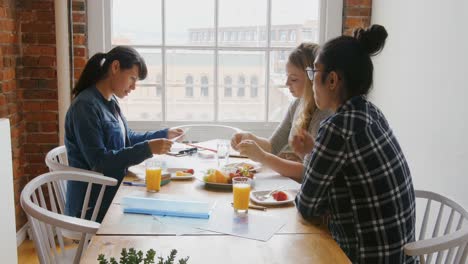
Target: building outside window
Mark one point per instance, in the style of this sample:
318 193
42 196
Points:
241 86
189 86
253 86
172 45
227 86
204 86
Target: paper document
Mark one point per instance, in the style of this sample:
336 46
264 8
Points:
180 136
251 225
158 206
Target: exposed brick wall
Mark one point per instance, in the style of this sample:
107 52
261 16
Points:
37 82
356 13
10 96
79 37
28 83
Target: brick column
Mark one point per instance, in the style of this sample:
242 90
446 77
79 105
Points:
356 13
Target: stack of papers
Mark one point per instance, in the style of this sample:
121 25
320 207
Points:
166 207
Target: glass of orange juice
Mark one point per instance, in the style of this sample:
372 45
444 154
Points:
153 175
241 193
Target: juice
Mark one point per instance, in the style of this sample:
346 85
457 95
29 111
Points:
153 179
241 196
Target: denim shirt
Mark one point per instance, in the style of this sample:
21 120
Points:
95 141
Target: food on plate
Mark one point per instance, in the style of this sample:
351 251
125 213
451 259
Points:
215 176
191 171
181 173
240 170
187 172
280 196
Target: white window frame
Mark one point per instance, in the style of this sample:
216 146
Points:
99 27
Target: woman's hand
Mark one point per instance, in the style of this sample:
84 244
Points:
250 149
239 137
160 145
302 143
174 132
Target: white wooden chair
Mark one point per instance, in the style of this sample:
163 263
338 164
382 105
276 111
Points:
452 245
40 199
57 160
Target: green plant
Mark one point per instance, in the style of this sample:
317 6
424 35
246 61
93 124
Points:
133 257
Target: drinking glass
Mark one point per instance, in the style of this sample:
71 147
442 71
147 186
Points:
241 193
153 175
222 152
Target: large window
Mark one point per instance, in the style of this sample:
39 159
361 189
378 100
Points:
202 57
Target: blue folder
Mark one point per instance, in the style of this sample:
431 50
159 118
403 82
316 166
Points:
166 207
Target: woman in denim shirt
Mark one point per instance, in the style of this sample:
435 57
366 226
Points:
97 136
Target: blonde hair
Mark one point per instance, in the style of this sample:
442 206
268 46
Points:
302 57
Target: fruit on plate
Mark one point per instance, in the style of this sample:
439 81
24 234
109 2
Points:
182 173
241 171
215 176
280 196
187 172
191 171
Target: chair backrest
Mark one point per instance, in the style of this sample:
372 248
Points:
40 201
57 160
204 132
441 214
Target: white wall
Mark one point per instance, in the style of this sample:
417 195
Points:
421 85
7 203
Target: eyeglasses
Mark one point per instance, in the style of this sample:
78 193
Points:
311 72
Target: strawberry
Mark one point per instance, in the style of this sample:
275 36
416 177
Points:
280 196
191 171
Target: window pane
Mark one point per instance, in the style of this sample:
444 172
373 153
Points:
190 22
185 71
132 25
280 97
244 31
234 69
144 103
292 25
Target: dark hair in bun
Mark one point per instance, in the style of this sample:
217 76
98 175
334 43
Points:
372 39
349 57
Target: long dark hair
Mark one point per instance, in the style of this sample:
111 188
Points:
350 58
98 65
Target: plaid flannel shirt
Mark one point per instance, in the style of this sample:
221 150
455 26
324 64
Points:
358 175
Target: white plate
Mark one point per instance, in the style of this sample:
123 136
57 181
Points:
270 200
256 166
172 171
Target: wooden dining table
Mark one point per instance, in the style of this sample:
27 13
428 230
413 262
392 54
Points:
297 241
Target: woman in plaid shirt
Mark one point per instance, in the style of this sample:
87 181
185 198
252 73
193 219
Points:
356 172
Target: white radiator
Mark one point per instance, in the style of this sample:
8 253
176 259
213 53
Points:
7 201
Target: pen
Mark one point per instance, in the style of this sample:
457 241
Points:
134 183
